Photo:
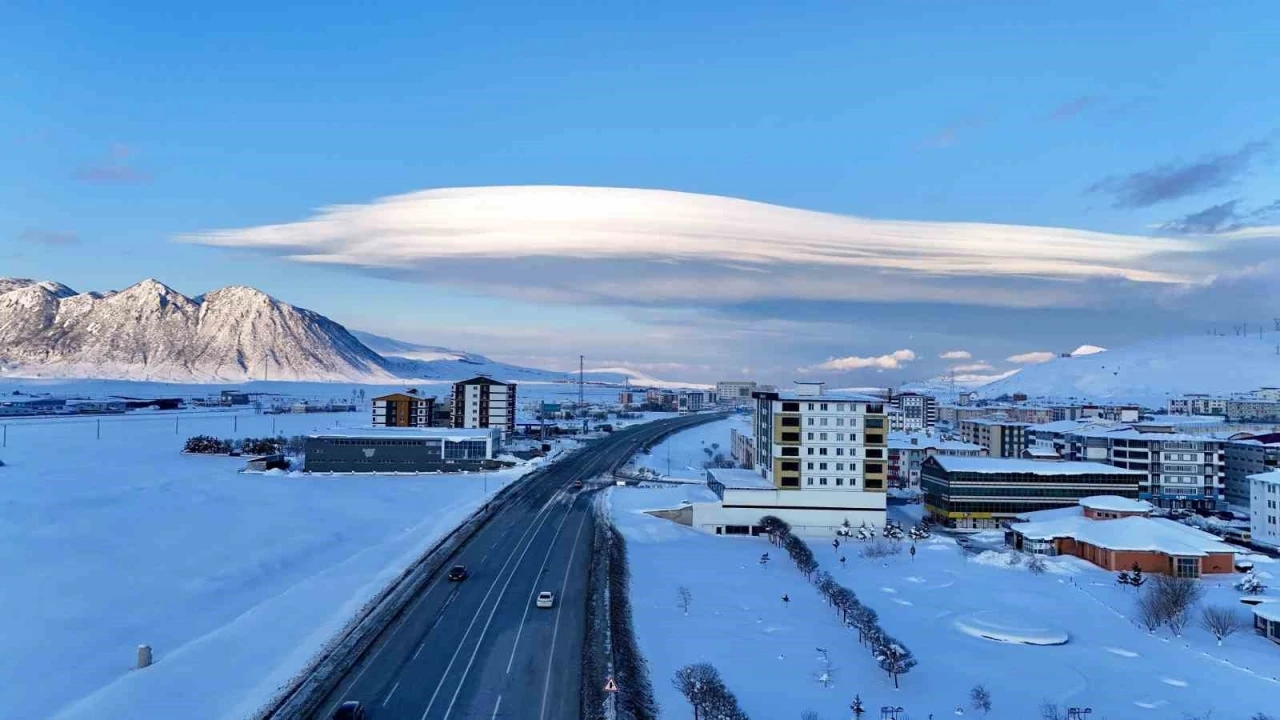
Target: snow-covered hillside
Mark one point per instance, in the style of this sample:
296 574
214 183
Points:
1152 371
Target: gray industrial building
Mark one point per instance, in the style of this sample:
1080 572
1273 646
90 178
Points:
392 450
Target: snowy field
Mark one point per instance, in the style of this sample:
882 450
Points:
937 604
686 452
234 579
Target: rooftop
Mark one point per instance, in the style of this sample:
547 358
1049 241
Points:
1129 433
1130 533
829 395
1272 476
1038 451
1062 426
409 432
1115 503
1030 467
738 479
903 441
1268 611
996 421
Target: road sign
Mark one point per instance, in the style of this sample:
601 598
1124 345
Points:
610 685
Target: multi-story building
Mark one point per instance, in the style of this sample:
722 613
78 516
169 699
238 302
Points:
1246 456
1197 404
483 402
953 415
1183 471
692 401
735 393
829 447
1055 435
407 409
395 450
907 452
1001 438
742 448
1264 508
916 411
979 492
1253 409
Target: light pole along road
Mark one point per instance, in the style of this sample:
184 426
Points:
479 649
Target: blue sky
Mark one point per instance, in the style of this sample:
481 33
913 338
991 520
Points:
127 125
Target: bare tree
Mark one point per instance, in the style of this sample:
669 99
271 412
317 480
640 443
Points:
1050 711
1036 565
809 715
686 599
699 683
980 698
1176 596
1221 621
1150 612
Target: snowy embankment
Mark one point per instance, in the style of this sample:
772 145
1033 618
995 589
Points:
682 456
767 651
235 580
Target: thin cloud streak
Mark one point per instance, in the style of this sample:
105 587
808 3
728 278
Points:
889 361
1172 181
956 355
1032 358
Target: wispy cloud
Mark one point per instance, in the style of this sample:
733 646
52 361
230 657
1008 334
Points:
1223 217
1032 358
947 136
49 237
972 367
889 361
1074 107
956 355
115 168
1172 181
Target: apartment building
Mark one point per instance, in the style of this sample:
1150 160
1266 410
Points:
1182 471
830 446
1001 438
742 448
1245 456
407 409
980 492
1253 409
735 393
483 402
1264 508
692 401
914 411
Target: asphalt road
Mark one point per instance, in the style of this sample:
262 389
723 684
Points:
479 648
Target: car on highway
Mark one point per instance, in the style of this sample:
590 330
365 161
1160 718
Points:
545 599
577 484
349 710
457 573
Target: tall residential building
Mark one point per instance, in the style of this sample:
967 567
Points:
916 411
907 453
1001 438
691 401
483 402
404 410
1245 456
736 393
1264 508
1182 471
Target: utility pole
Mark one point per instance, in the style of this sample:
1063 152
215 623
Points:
581 359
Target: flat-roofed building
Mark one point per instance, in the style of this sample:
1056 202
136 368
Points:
399 450
406 409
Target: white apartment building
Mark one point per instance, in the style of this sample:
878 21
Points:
483 402
1264 508
913 411
735 393
1183 471
692 401
829 449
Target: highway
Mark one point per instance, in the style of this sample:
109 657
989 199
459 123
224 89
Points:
479 648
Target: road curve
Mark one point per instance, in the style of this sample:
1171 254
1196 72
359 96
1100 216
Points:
479 649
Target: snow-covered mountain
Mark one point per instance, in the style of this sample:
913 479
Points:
152 332
1150 372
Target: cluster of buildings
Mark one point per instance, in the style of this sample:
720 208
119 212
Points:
1261 405
480 402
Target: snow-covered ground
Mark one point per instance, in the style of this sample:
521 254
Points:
939 604
682 456
234 579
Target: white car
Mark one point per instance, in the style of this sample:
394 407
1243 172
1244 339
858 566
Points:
546 599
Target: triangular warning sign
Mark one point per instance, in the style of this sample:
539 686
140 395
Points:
610 685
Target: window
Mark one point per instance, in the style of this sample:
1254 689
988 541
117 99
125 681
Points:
823 421
839 421
790 451
791 466
822 466
808 451
793 482
840 407
839 437
1187 567
809 481
790 422
840 451
810 406
790 437
824 407
875 467
875 453
790 407
822 451
840 466
809 466
810 437
822 437
822 481
810 421
875 438
875 423
839 481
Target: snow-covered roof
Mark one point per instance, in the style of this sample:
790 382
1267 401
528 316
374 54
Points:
1128 433
1031 467
826 396
377 433
738 479
1115 503
1268 611
1271 476
1064 426
996 421
903 441
1135 533
1039 451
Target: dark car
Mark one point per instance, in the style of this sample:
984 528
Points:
577 484
457 573
349 710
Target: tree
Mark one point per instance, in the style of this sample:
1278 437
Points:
894 658
856 706
699 683
980 699
686 599
1050 711
1176 596
1136 578
809 715
1036 565
1123 577
1251 584
1220 621
1150 612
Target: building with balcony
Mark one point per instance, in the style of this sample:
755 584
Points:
735 393
407 409
907 452
914 411
1246 455
1182 471
1002 438
483 402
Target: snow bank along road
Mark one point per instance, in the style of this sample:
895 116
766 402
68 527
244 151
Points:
479 648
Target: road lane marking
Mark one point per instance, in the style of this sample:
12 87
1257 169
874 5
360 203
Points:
393 692
534 523
485 630
551 546
418 652
546 684
495 708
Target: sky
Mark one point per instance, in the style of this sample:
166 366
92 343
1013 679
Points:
867 193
